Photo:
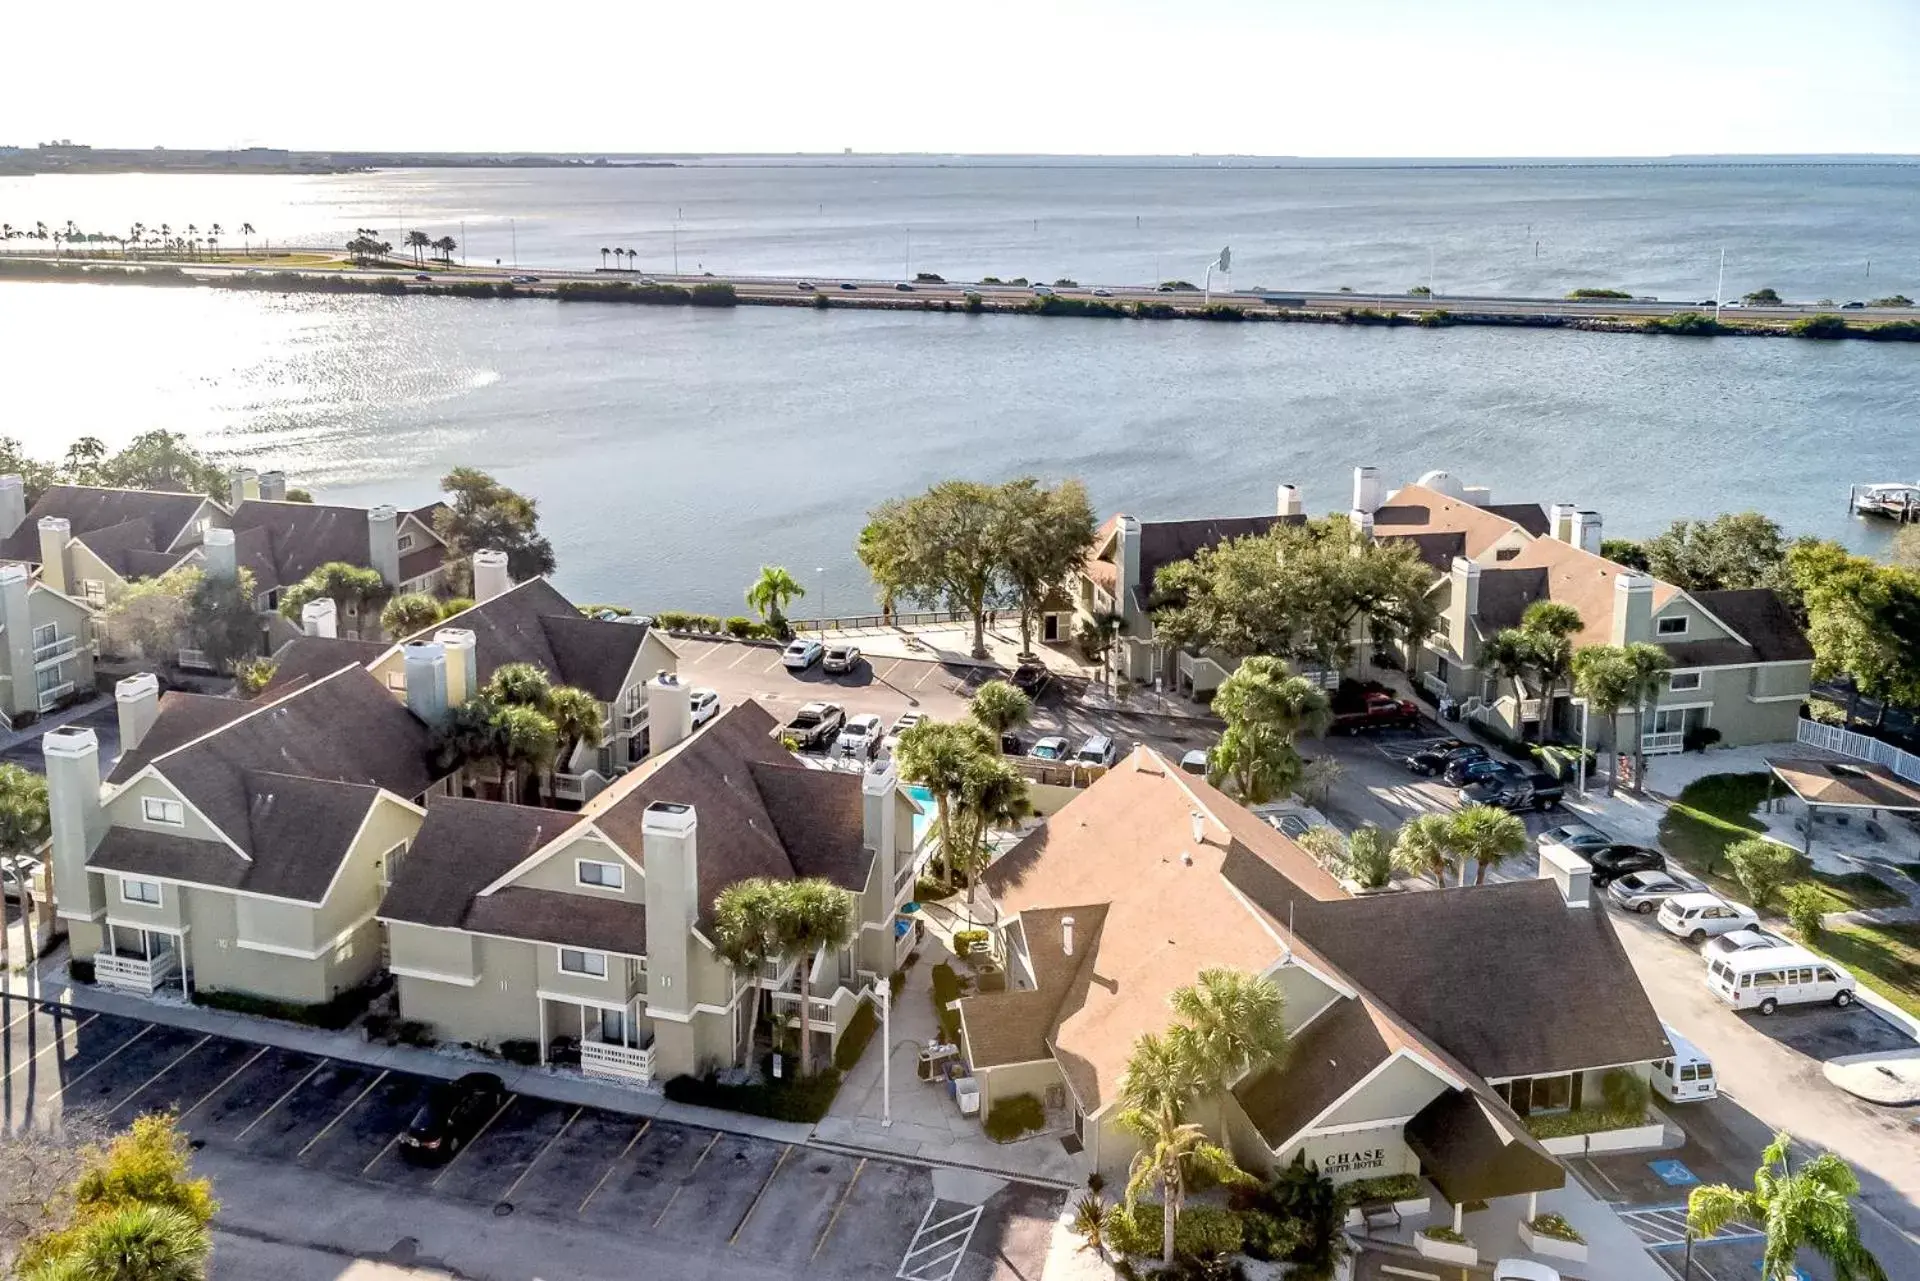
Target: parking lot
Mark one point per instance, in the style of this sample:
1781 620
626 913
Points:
809 1211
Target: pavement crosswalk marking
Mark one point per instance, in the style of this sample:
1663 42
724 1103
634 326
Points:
1664 1227
934 1253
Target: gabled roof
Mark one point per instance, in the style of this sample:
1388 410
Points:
1474 1148
1760 618
1325 1060
461 847
1505 595
283 542
159 517
182 718
1531 517
308 658
532 622
1163 542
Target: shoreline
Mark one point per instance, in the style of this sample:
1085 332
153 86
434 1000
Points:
720 292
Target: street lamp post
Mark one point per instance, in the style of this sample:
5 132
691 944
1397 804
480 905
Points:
883 992
1225 263
820 577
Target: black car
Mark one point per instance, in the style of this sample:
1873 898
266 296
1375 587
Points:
1031 679
1615 861
1472 769
1010 745
1434 760
848 284
453 1114
1512 787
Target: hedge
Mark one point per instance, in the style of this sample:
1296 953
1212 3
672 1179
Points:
1390 1187
1561 1125
786 1100
333 1015
1013 1116
853 1041
946 990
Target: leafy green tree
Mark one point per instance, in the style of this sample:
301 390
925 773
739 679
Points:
24 827
1733 550
1000 707
1370 858
144 1168
1045 535
1299 592
1863 620
1425 847
483 513
1254 764
1762 867
1765 296
84 461
938 755
35 474
1486 836
1549 628
1238 1023
164 460
993 796
770 595
138 1243
355 591
252 676
578 718
220 619
815 914
746 934
940 548
1265 707
1625 551
1096 638
151 614
1806 1209
408 613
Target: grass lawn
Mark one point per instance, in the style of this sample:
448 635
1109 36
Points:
1884 957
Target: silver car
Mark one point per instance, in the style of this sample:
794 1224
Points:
1582 839
1644 892
1740 941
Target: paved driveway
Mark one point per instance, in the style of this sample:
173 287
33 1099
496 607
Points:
806 1211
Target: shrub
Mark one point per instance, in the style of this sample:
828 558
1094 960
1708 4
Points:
1683 322
1699 738
1440 1232
80 969
1388 1187
1419 291
332 1014
1893 300
991 280
1269 1237
1578 295
946 990
1821 327
1066 282
1207 1232
1806 904
1013 1116
415 1032
1155 310
1325 844
853 1041
676 620
1766 294
1220 311
742 627
1435 319
1137 1231
1762 867
806 1099
964 941
928 278
1825 712
524 1053
717 294
1552 1225
1562 1125
1624 1091
1370 858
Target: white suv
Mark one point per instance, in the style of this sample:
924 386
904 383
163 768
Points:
1695 917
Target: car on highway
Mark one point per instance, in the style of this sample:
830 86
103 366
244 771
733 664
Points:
1644 892
801 654
1103 293
705 704
1581 839
1099 749
423 277
841 659
1435 759
1051 748
454 1112
904 722
1746 940
804 286
904 288
1697 917
1043 291
1611 862
859 737
523 280
648 281
1853 306
848 285
1032 679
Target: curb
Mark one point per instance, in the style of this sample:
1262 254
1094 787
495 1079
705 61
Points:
935 1163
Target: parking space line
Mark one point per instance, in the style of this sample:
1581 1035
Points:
558 1135
327 1128
32 1008
384 1149
932 668
51 1045
924 1269
880 678
838 1206
282 1099
224 1084
102 1063
162 1072
766 1183
473 1142
608 1173
746 652
661 1217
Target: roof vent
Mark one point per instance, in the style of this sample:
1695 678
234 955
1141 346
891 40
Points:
1186 857
1066 935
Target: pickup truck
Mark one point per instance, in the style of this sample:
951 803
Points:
1374 710
815 726
1514 787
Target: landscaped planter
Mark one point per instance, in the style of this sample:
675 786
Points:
1407 1209
1552 1247
1462 1253
1632 1138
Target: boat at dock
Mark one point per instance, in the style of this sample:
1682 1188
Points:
1893 501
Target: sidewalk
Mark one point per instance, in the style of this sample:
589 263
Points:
66 715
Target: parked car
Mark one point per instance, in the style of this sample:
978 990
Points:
1436 758
705 703
1051 748
905 722
1514 787
801 654
453 1113
1032 679
1688 1076
1741 941
1697 917
1098 750
1611 862
815 726
841 659
1198 762
1766 979
1374 710
1644 892
1472 769
859 738
1582 839
1523 1270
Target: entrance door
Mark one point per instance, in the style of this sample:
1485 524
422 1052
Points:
1050 628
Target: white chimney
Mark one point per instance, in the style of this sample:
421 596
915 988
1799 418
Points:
320 617
1066 935
273 486
16 631
1464 606
1560 521
1366 490
1632 609
1128 567
880 804
72 758
137 699
669 850
1478 495
13 504
1288 503
1573 874
490 577
1586 531
242 485
55 534
426 676
1362 523
463 672
383 542
669 712
218 556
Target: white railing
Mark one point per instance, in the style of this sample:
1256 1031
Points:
1859 746
775 974
633 718
131 974
1662 744
1431 682
196 659
51 696
582 787
824 1013
621 1062
55 651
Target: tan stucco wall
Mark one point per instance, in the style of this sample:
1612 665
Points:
1357 1154
125 810
1243 1138
557 871
1016 1078
167 915
416 947
500 1007
1399 1091
356 891
1303 994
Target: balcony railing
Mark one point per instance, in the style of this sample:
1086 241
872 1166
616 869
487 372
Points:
775 974
51 696
823 1011
1662 744
54 651
620 1062
132 974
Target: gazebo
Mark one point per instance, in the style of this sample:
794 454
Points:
1847 786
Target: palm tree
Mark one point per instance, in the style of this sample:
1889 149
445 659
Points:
938 755
416 241
1550 627
746 935
815 914
1163 1076
1255 764
527 743
246 237
1602 676
446 245
1648 666
24 826
1097 637
213 237
519 685
1238 1024
1809 1208
1487 836
137 1242
771 593
604 251
471 733
630 258
999 707
1425 847
993 794
193 235
578 717
1508 653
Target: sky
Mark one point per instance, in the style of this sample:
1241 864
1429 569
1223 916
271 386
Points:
1322 78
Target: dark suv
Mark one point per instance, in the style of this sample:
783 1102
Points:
1032 679
1513 787
453 1114
1615 861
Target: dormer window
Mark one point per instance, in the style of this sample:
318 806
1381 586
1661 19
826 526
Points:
1675 625
157 809
598 875
405 542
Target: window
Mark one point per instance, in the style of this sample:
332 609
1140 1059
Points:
1506 553
1826 975
44 635
1673 626
1678 681
1442 669
1767 978
94 591
158 810
606 876
135 891
591 964
405 542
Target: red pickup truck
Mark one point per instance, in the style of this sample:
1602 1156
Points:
1374 710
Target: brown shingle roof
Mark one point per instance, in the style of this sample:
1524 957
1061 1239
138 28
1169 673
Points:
299 538
462 847
183 717
1015 1026
308 658
533 623
1531 517
1437 548
1163 542
1762 619
117 545
1325 1059
1505 595
87 508
554 916
139 852
1475 1149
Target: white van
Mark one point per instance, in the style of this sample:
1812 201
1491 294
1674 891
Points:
1687 1077
1766 978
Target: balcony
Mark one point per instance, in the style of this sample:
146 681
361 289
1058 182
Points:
617 1062
632 719
1663 744
824 1013
775 974
55 651
132 973
50 697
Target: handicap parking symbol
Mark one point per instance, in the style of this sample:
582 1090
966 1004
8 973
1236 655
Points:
1674 1174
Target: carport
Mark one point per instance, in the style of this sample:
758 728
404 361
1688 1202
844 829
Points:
1844 787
